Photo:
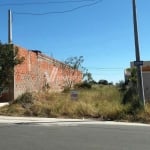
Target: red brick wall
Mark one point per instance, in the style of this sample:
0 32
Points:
39 70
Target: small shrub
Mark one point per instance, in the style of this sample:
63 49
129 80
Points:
66 89
131 98
83 85
25 100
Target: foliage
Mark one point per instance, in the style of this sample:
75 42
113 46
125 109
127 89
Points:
25 100
101 102
66 89
73 69
75 62
133 76
8 59
92 82
131 98
122 86
103 82
87 76
129 91
83 85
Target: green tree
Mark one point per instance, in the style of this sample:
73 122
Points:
87 76
8 59
130 93
103 82
133 77
70 69
122 86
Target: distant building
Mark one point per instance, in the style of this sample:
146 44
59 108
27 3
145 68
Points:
36 73
145 75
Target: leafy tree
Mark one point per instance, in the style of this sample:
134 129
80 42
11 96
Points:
83 85
87 76
131 81
71 68
129 89
75 62
121 85
93 82
8 59
133 77
103 82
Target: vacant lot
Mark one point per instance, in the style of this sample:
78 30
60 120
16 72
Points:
99 102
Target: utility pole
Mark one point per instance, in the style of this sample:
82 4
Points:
138 63
9 27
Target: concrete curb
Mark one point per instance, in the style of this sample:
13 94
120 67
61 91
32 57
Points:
61 121
10 119
4 104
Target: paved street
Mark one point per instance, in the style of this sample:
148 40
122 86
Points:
73 135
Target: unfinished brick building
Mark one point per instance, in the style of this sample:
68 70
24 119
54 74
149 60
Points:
38 72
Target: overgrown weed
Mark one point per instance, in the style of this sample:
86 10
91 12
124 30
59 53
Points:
101 102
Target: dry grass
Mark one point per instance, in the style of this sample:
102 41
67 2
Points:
102 102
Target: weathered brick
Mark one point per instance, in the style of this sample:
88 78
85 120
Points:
37 71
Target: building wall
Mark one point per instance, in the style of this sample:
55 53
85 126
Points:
146 83
145 75
39 71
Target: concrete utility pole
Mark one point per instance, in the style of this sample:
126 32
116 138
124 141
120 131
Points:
9 27
138 63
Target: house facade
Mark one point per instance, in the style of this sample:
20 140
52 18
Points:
38 72
145 76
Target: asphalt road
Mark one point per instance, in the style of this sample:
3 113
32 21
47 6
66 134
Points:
73 137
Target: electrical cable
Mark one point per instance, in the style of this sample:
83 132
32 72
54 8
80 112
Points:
45 3
106 69
58 12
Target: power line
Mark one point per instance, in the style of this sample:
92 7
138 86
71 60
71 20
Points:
106 69
45 3
105 73
58 12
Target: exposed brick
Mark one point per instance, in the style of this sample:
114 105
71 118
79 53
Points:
37 70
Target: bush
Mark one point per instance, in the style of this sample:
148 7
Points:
66 89
25 100
83 85
131 98
103 82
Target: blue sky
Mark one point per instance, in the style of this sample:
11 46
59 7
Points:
102 33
